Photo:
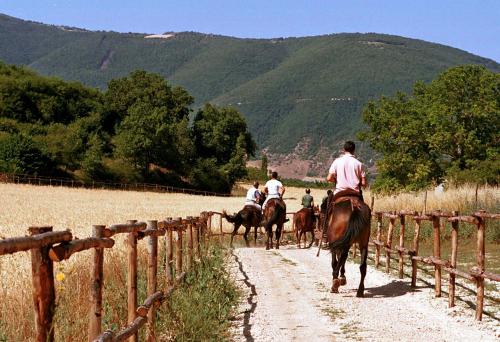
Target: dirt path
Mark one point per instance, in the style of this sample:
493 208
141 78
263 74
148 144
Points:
287 298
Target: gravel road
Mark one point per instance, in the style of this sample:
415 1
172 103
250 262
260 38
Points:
286 298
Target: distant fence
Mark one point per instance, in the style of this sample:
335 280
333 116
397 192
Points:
72 183
48 247
477 274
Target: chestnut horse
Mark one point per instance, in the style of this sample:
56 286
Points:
304 221
348 220
274 214
247 217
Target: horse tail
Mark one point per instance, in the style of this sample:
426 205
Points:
276 214
230 218
358 221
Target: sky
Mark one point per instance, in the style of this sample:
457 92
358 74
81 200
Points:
470 25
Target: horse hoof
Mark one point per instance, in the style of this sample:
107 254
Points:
360 294
343 281
335 286
277 246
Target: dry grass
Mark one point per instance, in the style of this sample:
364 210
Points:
79 209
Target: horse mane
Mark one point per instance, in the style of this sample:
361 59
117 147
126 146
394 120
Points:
358 221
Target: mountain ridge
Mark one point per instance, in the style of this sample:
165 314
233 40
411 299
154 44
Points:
291 90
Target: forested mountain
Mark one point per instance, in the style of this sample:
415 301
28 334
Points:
297 94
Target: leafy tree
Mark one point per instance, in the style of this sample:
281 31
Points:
153 122
447 129
264 164
221 135
19 154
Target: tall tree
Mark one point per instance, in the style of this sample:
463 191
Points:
447 129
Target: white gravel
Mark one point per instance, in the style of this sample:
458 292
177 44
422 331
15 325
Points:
286 298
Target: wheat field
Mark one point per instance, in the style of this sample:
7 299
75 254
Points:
23 206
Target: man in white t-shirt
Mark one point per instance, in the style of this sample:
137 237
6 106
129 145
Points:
253 196
346 171
273 188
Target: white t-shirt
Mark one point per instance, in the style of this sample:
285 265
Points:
273 187
349 172
252 194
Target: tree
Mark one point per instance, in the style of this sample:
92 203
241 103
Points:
447 129
152 122
221 135
19 154
263 165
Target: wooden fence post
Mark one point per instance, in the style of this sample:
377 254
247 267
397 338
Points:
169 254
389 245
416 237
221 239
178 250
437 254
152 276
132 279
453 261
190 243
209 225
95 313
379 237
44 295
401 244
481 225
196 237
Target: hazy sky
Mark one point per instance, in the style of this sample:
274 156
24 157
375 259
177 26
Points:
471 25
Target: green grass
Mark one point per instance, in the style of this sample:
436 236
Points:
201 308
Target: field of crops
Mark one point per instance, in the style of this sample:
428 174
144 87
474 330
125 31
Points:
79 209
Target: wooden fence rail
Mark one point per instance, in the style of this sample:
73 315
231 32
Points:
48 247
476 274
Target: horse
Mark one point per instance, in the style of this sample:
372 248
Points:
274 214
304 221
248 217
348 220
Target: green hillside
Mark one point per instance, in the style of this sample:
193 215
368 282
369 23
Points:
290 90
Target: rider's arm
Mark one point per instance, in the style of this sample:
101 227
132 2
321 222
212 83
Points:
266 190
282 191
364 183
332 178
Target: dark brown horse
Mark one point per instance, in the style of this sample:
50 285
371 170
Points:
274 214
248 217
348 220
304 221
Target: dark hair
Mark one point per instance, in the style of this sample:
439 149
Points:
349 146
329 192
274 174
256 184
308 191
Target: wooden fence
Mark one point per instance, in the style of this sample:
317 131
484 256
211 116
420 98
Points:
72 183
47 247
476 274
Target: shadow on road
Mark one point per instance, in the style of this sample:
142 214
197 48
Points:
395 288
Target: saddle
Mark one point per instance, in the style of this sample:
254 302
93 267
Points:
355 197
279 202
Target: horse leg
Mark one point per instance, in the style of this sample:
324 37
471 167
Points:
235 231
343 280
269 231
297 237
362 269
337 282
279 227
245 236
312 238
335 273
255 235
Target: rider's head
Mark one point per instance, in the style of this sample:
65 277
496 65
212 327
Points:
274 175
308 191
349 146
256 185
329 192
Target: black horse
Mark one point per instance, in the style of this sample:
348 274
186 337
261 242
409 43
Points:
248 217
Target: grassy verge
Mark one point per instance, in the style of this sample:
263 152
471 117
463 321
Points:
201 308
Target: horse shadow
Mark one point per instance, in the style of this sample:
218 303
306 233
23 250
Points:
395 288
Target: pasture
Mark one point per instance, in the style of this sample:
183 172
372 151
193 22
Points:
79 209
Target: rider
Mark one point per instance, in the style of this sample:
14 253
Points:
347 172
324 201
273 188
308 200
253 196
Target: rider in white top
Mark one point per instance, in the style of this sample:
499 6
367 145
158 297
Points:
274 188
253 195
